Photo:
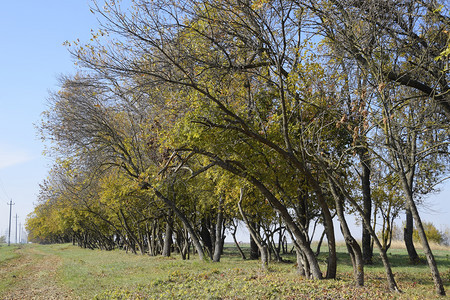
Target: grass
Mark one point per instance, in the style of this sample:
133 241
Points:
99 274
7 253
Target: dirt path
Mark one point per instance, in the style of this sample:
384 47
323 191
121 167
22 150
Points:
32 276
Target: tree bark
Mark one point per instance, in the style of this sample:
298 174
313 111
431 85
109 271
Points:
218 247
205 235
352 245
438 285
387 266
195 240
254 250
262 246
408 237
168 235
284 213
233 234
300 262
366 242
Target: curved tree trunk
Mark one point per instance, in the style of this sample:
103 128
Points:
329 228
182 217
352 245
296 232
279 207
133 239
262 246
384 258
327 218
301 268
423 239
233 234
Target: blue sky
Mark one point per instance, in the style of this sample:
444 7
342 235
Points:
31 58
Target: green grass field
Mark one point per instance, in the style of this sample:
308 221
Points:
72 272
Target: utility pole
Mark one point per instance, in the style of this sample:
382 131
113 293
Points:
16 228
9 230
20 233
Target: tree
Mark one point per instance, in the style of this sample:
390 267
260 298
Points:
446 236
390 44
389 202
407 139
432 233
391 48
107 128
180 104
213 74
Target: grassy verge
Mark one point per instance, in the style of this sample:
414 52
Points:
7 253
116 275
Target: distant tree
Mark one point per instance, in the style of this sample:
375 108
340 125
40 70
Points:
397 232
432 233
446 236
388 203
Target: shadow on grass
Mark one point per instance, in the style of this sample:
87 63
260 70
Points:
405 272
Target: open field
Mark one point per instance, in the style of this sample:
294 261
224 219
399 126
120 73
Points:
68 272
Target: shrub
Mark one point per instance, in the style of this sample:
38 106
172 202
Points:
432 233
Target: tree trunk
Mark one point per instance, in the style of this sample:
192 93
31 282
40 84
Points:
264 256
332 257
367 250
300 262
423 239
327 220
133 239
284 213
254 251
168 235
262 246
150 237
154 234
218 247
408 237
233 234
319 244
182 217
352 245
387 266
313 264
205 235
